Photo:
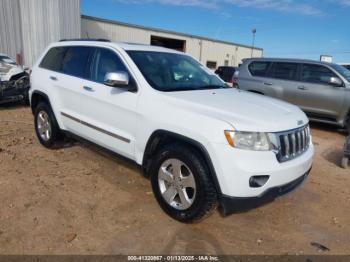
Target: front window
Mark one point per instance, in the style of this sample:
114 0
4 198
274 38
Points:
106 61
174 72
316 74
342 70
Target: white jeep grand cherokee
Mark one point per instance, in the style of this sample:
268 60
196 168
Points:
201 143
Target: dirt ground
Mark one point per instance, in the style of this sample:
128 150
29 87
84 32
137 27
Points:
81 200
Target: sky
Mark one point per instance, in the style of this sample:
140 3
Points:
285 28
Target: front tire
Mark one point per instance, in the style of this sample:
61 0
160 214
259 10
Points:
46 126
181 183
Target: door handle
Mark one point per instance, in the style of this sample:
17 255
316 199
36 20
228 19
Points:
302 88
88 88
53 78
268 84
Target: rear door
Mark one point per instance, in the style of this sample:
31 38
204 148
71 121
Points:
60 76
68 82
108 114
253 76
316 96
282 81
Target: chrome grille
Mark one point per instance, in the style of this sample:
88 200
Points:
293 143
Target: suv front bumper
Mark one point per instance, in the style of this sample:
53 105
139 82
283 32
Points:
12 91
235 169
229 205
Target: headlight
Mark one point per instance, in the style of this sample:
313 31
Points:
251 140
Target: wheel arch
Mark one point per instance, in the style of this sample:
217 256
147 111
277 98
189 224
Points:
160 138
347 121
38 97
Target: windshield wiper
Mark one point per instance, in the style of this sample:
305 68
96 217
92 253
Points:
179 89
208 87
212 87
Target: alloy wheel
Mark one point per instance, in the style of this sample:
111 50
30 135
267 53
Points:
44 126
177 184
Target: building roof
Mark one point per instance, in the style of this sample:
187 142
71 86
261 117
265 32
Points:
165 31
287 60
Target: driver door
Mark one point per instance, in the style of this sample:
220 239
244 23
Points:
109 114
315 95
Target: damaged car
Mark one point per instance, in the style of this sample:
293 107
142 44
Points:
14 81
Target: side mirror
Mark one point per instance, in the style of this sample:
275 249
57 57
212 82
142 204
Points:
335 81
117 79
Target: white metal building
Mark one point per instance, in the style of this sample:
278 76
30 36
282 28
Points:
28 26
211 52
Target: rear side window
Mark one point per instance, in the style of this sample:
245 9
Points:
105 61
259 68
285 71
316 74
53 59
75 61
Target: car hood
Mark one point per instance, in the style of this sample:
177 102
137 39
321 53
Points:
8 70
243 110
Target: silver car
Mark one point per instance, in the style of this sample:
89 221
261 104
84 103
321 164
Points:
321 90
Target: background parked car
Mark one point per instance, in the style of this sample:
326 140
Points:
226 73
14 81
320 89
346 65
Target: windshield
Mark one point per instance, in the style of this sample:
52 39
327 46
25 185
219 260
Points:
342 70
7 60
174 72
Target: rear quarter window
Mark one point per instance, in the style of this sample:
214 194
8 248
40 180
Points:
53 59
259 68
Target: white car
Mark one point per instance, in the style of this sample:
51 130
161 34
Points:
201 143
14 81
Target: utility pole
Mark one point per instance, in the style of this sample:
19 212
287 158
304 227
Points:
200 50
254 32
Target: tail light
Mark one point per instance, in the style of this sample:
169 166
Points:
235 78
18 59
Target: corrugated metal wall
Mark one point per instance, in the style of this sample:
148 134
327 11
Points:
47 21
215 51
28 26
10 33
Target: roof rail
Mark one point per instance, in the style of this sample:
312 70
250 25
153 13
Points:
85 39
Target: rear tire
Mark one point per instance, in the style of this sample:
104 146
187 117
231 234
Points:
347 124
345 162
181 183
46 126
